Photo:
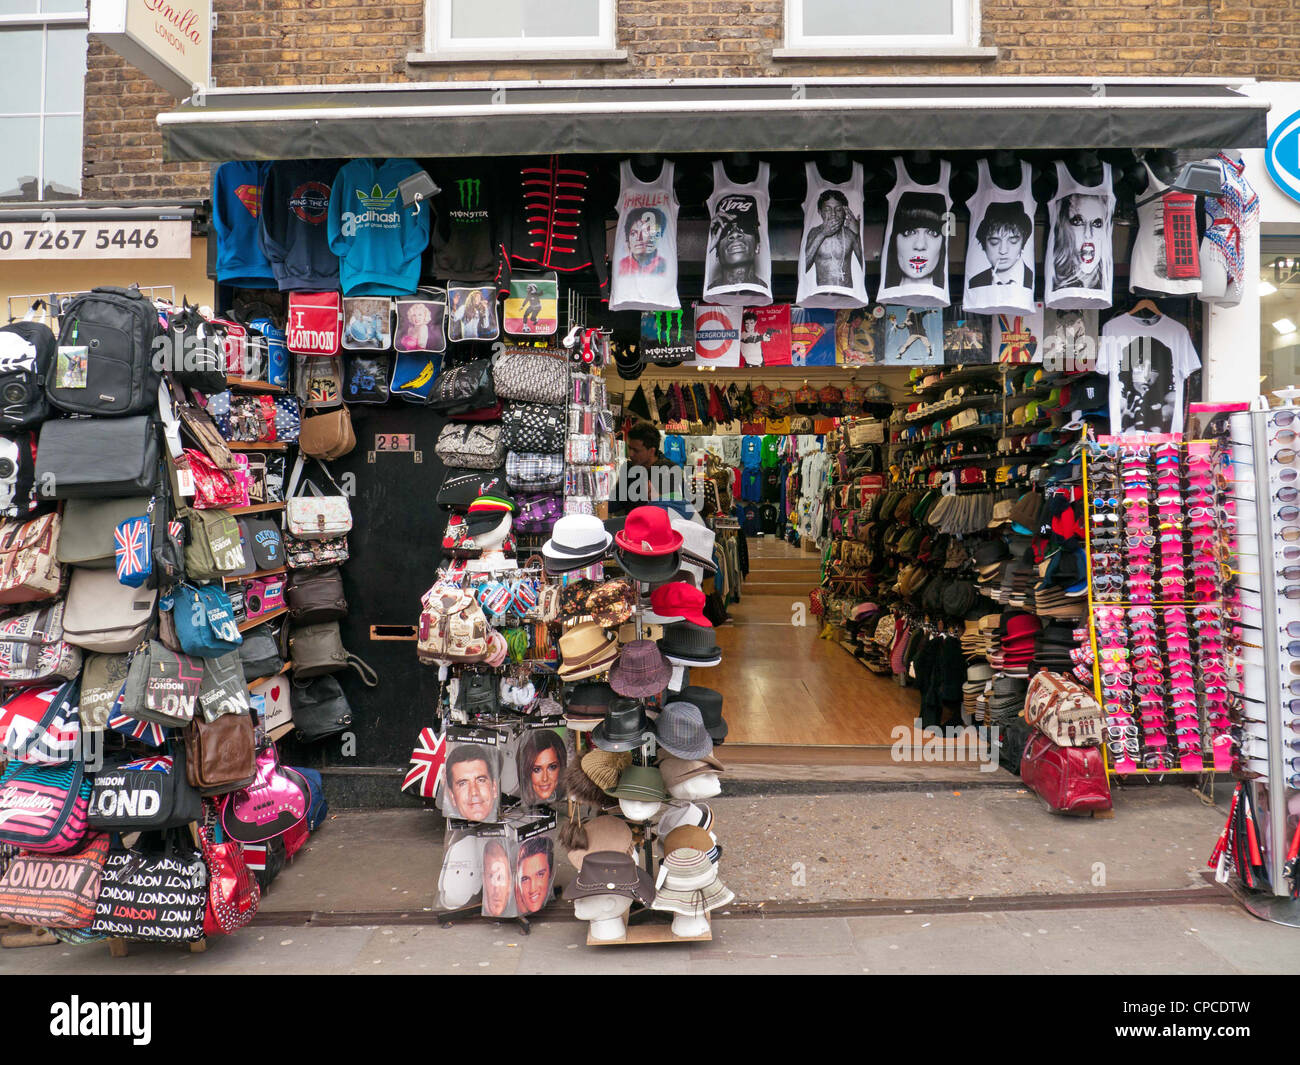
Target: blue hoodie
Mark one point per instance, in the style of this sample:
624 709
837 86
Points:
378 241
295 207
236 205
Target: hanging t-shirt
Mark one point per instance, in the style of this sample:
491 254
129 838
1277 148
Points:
1080 259
914 256
1148 361
1149 266
771 451
645 243
751 484
674 449
1000 248
751 452
832 260
738 262
717 335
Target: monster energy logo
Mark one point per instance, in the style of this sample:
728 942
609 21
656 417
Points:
665 323
469 192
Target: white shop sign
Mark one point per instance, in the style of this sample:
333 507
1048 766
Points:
135 239
169 40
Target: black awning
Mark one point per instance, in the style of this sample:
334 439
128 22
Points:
707 115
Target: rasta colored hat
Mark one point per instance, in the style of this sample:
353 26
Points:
487 511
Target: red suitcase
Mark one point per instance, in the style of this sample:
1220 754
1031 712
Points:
1069 778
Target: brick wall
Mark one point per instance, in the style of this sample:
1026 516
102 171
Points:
280 42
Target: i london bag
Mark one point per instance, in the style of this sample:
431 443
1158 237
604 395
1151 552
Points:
314 323
315 516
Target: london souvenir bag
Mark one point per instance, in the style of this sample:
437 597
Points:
43 808
314 323
55 890
157 891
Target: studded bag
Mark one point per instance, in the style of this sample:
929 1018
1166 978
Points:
535 428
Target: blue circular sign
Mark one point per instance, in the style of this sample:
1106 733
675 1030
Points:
1283 155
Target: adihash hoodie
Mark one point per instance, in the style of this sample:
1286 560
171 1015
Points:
236 207
294 235
379 241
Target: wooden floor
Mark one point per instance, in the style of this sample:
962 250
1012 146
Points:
782 685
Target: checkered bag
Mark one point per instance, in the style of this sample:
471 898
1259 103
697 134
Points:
527 472
538 513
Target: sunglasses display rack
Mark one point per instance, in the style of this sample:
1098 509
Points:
1258 847
1159 527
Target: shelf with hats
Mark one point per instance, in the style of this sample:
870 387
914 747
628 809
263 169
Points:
960 375
977 402
1019 399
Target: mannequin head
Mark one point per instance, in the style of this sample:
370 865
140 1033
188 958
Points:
702 786
607 915
635 810
690 927
494 538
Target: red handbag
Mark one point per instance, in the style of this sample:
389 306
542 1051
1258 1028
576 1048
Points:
1068 778
233 894
213 486
315 323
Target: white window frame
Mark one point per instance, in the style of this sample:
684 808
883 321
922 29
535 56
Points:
963 41
45 23
441 47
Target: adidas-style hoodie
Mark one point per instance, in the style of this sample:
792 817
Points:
294 234
379 242
236 207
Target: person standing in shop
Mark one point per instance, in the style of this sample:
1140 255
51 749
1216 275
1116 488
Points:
648 474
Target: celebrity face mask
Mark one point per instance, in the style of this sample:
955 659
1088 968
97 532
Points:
1085 223
534 883
496 884
544 775
473 790
918 251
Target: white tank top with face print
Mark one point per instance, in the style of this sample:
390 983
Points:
914 257
738 258
832 257
643 275
1080 259
1000 246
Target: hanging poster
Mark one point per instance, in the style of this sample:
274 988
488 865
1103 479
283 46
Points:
765 335
1017 338
1071 340
667 337
965 337
857 336
533 306
913 336
717 335
812 336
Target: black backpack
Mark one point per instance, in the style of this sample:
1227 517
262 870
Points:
119 329
197 351
24 362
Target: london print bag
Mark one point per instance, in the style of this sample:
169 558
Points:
156 891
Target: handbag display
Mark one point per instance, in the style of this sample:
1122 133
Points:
212 548
421 321
1067 778
243 419
162 686
369 323
315 596
367 378
43 808
101 614
18 485
261 538
222 754
102 680
312 554
55 890
532 427
318 649
317 516
464 388
530 377
154 892
534 473
318 382
233 894
133 549
32 647
205 621
29 563
461 487
271 804
327 436
320 709
538 513
97 457
1063 711
41 726
151 792
471 445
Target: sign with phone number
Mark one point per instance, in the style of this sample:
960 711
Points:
95 240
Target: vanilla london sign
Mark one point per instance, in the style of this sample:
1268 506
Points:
169 40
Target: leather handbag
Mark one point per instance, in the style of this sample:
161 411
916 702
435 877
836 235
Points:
471 445
55 890
213 547
32 647
316 595
327 436
233 894
318 649
86 533
1070 779
320 709
155 892
151 792
205 620
162 686
312 554
97 457
464 388
29 564
534 428
317 516
221 755
102 614
530 377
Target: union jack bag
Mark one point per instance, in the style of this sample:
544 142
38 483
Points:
133 547
41 726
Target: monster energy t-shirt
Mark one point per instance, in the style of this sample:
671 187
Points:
464 243
668 337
